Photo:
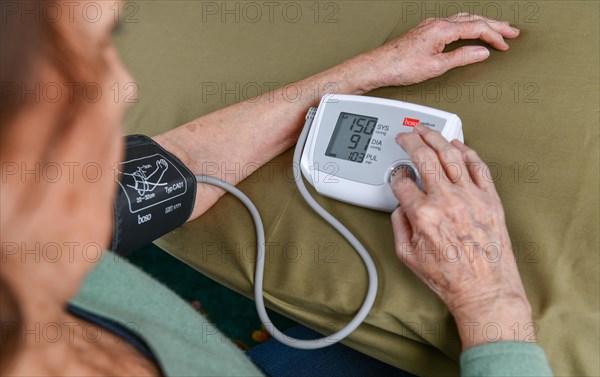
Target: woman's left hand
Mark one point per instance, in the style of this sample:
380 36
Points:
418 55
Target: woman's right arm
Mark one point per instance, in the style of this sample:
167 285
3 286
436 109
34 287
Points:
233 142
454 238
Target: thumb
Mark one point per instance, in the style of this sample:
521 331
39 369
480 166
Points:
465 55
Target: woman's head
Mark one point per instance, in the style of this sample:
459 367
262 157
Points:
60 138
55 52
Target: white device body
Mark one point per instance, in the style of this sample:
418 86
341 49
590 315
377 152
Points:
364 180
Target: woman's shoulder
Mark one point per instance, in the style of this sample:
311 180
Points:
181 338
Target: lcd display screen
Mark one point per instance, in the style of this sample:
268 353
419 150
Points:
351 137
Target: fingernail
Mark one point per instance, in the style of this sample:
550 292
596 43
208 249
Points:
481 52
420 128
515 29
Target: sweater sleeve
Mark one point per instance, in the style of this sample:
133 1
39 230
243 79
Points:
505 359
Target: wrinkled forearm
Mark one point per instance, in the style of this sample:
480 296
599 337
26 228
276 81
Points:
245 136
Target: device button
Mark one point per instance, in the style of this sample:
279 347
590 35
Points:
403 167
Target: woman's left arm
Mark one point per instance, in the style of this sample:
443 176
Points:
251 133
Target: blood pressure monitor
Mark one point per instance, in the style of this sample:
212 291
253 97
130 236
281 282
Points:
351 152
346 150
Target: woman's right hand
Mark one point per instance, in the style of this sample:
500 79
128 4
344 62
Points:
453 237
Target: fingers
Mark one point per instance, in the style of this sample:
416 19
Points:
502 27
478 170
480 30
424 158
450 157
468 26
406 191
437 161
464 56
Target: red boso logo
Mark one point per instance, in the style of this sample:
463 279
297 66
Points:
411 122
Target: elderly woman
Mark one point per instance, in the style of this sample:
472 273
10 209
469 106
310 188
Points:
69 219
